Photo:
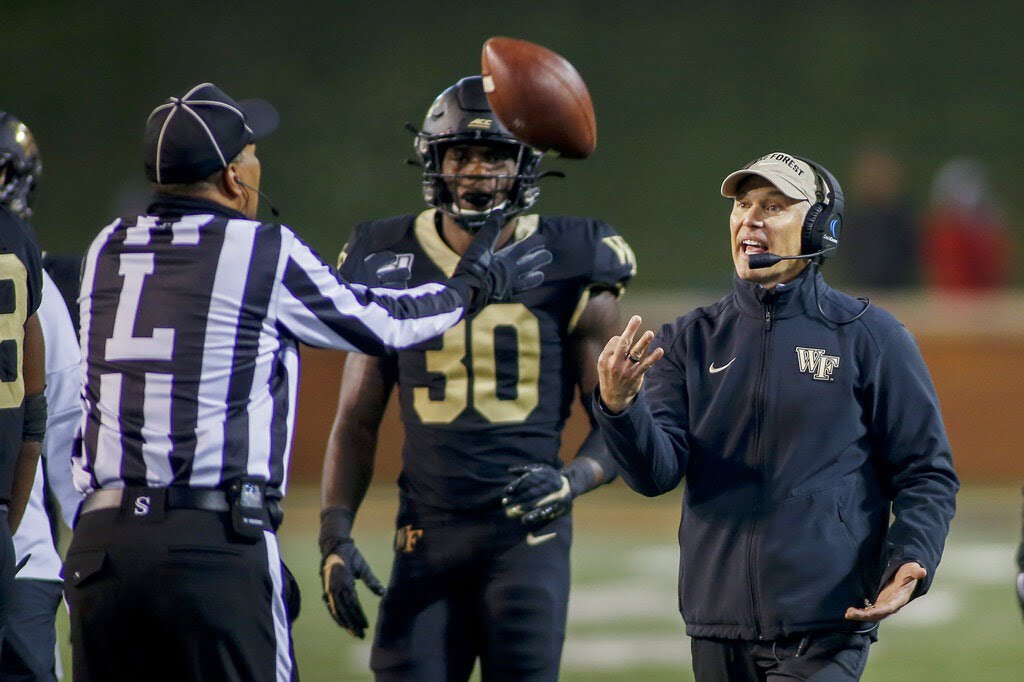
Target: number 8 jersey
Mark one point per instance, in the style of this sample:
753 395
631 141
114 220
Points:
495 390
21 282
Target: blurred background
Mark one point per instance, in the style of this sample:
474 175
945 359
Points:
915 106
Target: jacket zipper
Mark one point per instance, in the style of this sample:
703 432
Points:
759 405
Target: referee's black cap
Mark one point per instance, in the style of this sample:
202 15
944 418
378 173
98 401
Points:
190 137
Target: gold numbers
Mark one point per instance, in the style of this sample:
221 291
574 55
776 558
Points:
13 277
449 361
446 361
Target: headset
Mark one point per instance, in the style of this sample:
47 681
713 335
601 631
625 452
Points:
819 236
823 224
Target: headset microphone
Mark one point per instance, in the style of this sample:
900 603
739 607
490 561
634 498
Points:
757 261
270 205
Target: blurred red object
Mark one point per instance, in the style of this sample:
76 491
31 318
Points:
965 242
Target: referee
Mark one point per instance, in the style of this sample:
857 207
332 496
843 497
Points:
191 317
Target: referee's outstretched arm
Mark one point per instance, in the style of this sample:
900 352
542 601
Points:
321 308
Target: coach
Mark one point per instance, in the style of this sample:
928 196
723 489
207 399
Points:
190 321
800 418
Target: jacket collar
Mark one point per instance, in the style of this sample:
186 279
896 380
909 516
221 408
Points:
167 206
786 300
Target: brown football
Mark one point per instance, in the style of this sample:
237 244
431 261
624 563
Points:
539 96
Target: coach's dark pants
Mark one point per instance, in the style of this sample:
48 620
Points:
467 587
824 657
177 598
29 647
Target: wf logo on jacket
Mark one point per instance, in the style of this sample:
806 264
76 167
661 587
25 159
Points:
813 361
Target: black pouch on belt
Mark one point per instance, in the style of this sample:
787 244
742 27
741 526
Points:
249 515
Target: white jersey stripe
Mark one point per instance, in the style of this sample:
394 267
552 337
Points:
88 277
81 472
186 230
291 364
139 234
280 614
261 406
218 351
156 429
107 467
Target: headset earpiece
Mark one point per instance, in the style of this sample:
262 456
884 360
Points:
824 221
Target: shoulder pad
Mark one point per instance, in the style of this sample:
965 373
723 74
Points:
370 237
614 260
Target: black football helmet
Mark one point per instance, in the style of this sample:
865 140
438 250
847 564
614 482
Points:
462 115
20 166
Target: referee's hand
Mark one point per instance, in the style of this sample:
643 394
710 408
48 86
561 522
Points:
339 570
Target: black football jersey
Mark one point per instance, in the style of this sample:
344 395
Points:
495 390
21 281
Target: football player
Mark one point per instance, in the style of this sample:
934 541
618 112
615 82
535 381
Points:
28 650
481 564
22 364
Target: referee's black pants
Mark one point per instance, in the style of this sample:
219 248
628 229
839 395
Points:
176 598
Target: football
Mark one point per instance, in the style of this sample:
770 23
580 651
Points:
539 96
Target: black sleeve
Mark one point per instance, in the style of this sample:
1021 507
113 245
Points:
649 439
912 440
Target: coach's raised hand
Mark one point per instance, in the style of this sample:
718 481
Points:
500 276
341 565
622 365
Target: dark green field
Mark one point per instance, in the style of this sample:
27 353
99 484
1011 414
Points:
623 622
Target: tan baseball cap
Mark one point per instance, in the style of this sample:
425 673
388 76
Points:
790 175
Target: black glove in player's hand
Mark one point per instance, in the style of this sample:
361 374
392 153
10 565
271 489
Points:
540 494
391 272
340 566
499 276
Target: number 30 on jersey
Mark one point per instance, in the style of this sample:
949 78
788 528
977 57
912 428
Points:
481 357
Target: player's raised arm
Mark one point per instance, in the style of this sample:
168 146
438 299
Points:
646 434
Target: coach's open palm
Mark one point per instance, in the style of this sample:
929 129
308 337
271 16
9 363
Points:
893 597
622 365
340 569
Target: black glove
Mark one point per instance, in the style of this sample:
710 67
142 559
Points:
341 565
500 276
392 272
540 494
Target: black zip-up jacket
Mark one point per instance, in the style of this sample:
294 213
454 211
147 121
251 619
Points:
796 437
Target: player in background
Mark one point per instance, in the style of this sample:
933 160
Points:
29 648
22 364
481 566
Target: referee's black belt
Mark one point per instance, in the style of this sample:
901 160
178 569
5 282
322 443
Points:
178 497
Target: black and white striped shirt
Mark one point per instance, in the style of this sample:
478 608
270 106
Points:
191 318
